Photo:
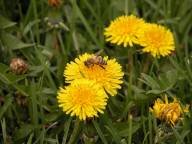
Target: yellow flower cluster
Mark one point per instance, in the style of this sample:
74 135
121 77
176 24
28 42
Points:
90 77
168 112
128 30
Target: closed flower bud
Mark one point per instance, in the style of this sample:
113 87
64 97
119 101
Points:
18 66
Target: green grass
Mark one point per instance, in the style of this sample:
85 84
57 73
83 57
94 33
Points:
29 112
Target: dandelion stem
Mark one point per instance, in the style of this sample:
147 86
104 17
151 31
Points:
126 7
130 129
146 66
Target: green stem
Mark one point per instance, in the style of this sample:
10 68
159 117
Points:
130 129
145 69
36 17
75 132
130 69
150 129
126 7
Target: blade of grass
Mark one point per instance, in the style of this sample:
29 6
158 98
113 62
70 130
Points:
30 138
7 104
130 129
150 129
86 24
74 136
66 130
99 131
178 136
3 127
111 129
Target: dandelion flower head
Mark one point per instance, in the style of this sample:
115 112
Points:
83 98
109 76
124 30
169 112
157 40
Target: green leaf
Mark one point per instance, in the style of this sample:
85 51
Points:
99 131
149 81
154 91
140 97
86 23
12 42
109 126
30 139
7 104
66 130
48 91
3 68
22 88
9 78
137 89
4 132
24 131
178 136
172 76
5 23
29 26
51 117
123 128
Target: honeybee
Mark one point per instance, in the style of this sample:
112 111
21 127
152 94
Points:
98 60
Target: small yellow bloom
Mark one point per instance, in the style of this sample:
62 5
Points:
156 40
169 112
124 30
109 76
83 98
157 108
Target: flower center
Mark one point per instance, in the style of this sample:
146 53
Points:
155 38
83 96
96 72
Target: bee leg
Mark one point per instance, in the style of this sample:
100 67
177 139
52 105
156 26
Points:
102 66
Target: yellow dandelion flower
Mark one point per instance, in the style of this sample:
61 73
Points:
156 40
83 98
124 30
169 112
157 108
109 76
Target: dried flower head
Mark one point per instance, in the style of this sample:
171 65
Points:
18 66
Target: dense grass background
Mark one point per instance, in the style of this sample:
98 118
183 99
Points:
28 107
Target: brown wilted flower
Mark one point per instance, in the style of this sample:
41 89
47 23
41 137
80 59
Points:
18 66
54 3
20 99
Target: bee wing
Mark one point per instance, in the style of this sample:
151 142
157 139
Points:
98 53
